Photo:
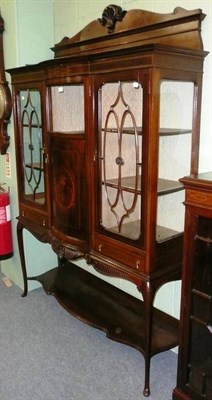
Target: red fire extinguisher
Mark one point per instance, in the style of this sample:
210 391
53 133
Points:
6 246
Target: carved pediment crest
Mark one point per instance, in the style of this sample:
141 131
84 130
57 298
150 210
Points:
110 16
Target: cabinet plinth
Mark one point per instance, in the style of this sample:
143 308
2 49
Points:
104 132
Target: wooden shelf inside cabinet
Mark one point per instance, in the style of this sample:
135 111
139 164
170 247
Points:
37 166
203 290
202 294
32 126
131 230
162 131
205 239
165 186
173 131
38 197
74 133
106 307
163 233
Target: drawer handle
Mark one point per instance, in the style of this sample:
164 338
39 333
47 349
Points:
137 264
100 248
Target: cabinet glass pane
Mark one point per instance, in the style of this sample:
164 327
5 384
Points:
176 108
67 104
203 258
120 155
31 125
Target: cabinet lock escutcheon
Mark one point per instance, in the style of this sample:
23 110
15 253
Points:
45 155
96 157
47 159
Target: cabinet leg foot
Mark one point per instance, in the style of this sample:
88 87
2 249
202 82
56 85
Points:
146 391
24 294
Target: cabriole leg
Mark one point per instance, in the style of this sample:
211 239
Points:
148 293
22 257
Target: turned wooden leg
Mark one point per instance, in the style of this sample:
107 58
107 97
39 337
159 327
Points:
22 257
148 293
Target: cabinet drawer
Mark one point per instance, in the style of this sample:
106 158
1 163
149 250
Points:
195 196
129 256
34 216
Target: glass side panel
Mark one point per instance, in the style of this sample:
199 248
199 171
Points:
33 151
120 155
176 108
67 104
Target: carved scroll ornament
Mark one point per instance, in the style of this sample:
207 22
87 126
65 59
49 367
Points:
110 16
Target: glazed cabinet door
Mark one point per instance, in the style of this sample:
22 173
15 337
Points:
119 166
143 146
32 153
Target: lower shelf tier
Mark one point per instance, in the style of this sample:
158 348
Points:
118 314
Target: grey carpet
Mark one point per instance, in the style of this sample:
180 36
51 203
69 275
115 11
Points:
47 354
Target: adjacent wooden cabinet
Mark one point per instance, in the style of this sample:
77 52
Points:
103 133
194 380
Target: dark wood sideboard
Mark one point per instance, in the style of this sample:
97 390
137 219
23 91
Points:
103 133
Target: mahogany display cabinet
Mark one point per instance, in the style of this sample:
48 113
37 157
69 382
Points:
103 133
194 380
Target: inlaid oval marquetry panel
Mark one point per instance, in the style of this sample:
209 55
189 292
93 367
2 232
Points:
65 194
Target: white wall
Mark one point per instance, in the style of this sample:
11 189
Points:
32 27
